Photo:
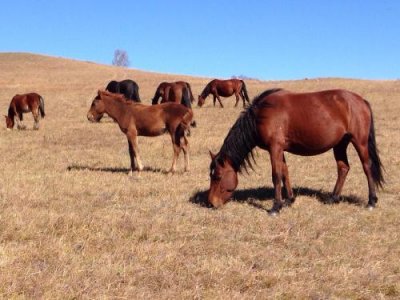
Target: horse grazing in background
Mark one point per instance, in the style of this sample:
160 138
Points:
135 119
172 91
127 87
225 88
21 104
178 92
303 124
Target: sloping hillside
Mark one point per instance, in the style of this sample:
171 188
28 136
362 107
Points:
74 225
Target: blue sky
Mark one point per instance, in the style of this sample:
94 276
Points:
287 39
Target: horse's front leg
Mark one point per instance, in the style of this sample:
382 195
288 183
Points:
134 154
219 100
214 99
286 183
276 154
18 117
237 100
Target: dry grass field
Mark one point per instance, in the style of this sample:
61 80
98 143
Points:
73 224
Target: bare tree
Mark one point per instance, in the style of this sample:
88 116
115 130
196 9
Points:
120 58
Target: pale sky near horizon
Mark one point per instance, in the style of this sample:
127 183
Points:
261 39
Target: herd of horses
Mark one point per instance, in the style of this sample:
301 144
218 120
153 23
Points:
277 121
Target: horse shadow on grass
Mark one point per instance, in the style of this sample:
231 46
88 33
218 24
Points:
112 169
252 196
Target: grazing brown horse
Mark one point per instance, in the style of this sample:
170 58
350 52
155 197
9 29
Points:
21 104
135 119
303 124
172 91
225 88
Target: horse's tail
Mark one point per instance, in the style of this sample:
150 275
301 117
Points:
186 98
190 92
376 164
186 122
41 106
156 97
136 93
244 92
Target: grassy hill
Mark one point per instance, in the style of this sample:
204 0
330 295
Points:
73 224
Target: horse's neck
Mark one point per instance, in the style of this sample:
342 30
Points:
114 109
241 140
206 91
11 112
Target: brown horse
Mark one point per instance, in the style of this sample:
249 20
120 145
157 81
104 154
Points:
302 124
225 88
172 91
21 104
135 119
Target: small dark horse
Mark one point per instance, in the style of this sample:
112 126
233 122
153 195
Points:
303 124
225 88
127 87
135 119
21 104
172 91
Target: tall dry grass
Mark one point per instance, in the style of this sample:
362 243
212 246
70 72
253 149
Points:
74 225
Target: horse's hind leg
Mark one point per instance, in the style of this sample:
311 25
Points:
363 154
286 183
36 118
277 163
185 148
176 149
343 167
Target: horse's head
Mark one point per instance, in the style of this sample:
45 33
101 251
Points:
9 122
223 180
97 109
201 101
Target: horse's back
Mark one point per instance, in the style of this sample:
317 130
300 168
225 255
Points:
310 122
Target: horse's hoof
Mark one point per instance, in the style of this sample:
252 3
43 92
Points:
273 213
288 202
370 207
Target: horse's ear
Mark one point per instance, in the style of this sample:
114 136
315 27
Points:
212 155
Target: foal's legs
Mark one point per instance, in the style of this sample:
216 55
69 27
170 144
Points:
363 154
185 148
276 154
134 154
343 167
176 150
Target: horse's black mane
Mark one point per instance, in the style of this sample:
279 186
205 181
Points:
206 91
242 138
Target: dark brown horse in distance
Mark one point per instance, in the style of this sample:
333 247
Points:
135 119
303 124
21 104
128 88
172 91
225 88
